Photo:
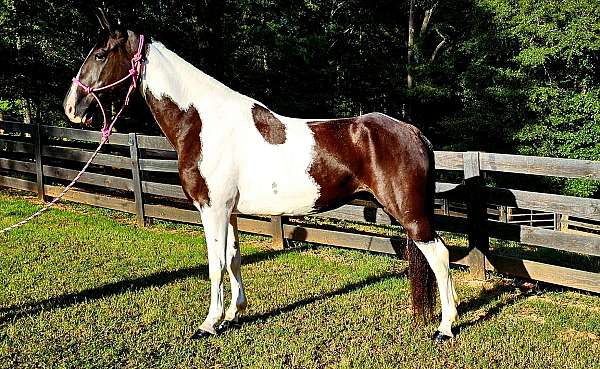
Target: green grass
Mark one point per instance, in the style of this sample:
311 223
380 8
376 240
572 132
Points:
83 287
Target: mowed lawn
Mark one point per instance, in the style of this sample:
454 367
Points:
82 287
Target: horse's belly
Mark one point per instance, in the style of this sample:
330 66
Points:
273 194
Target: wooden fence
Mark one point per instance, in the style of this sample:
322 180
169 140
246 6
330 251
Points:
138 174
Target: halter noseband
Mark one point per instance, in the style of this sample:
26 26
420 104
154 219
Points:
134 72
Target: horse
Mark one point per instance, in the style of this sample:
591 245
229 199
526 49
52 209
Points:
236 155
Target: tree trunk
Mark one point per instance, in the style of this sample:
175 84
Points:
409 59
26 110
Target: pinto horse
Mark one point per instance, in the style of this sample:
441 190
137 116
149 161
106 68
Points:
234 154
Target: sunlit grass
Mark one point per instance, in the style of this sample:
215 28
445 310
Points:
83 287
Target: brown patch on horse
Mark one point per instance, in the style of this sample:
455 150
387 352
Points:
182 128
392 161
271 128
380 155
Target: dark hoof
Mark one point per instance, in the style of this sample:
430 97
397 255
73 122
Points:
439 337
201 334
227 325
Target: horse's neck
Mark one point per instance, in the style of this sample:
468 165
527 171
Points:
166 73
172 86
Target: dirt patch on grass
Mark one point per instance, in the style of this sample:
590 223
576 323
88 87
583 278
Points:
568 303
530 315
573 334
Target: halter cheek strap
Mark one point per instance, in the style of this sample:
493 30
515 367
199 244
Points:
134 72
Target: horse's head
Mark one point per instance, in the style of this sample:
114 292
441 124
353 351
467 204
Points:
107 62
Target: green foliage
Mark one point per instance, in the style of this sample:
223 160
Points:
6 105
493 75
558 51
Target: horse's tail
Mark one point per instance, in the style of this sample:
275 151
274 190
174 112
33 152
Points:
422 279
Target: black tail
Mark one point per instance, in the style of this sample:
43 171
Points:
422 279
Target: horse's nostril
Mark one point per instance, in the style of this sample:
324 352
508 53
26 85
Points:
70 110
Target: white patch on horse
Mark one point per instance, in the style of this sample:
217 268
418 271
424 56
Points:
235 157
71 98
437 256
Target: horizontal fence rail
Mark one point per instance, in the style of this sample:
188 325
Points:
138 174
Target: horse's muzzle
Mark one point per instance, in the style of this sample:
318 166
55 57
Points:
77 106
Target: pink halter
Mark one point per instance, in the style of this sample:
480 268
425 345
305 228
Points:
134 72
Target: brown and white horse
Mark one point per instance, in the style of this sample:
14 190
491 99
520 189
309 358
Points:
236 154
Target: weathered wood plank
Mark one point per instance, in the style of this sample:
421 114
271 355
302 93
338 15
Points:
547 273
16 127
93 199
136 180
256 226
83 135
96 179
163 189
17 183
367 203
548 238
158 165
589 226
74 154
154 142
448 160
172 213
244 224
358 214
39 170
278 241
577 206
543 166
441 187
17 165
16 146
343 239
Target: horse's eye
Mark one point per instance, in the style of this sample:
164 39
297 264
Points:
100 56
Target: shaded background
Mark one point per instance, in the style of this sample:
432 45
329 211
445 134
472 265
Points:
491 75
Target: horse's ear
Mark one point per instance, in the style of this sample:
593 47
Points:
104 23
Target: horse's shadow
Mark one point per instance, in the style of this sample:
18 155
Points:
486 297
163 278
157 279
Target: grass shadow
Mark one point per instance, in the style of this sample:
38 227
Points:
249 319
158 279
487 297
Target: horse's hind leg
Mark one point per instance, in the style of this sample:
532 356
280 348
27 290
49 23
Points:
233 260
437 256
419 228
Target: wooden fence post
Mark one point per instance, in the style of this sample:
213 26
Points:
446 206
39 166
477 216
279 241
557 221
136 179
503 213
564 223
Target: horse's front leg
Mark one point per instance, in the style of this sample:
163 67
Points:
215 221
234 262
